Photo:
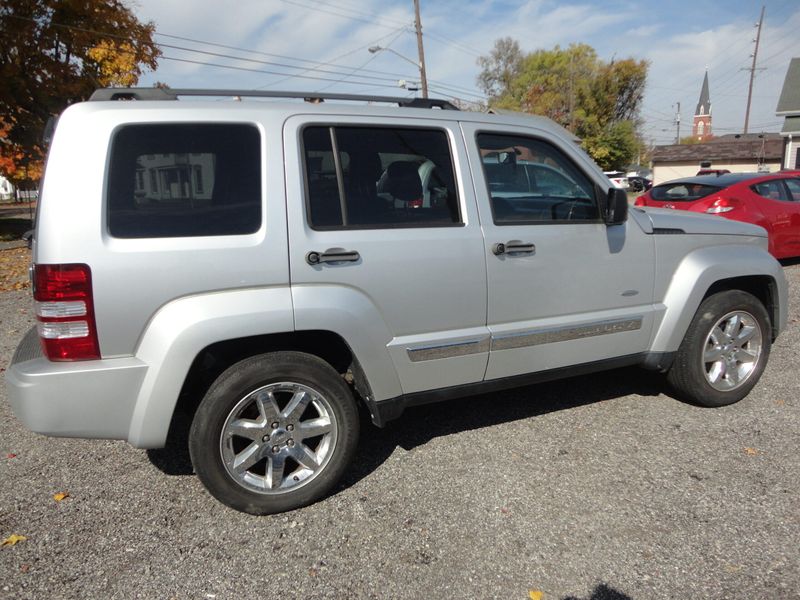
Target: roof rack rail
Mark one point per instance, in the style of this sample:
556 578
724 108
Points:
156 93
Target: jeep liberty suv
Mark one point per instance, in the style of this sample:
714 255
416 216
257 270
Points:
266 267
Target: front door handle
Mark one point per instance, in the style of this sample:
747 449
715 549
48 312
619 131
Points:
332 255
513 247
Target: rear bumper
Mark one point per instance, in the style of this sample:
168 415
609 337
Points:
87 399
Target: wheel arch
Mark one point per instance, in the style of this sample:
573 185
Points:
709 270
214 359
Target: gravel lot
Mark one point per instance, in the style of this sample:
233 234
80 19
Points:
599 487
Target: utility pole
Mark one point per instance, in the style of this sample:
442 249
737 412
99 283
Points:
420 50
678 124
753 70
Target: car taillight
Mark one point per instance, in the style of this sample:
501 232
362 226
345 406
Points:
65 311
414 203
640 201
721 205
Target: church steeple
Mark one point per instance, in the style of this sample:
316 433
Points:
701 127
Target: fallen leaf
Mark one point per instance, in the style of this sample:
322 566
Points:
11 455
13 539
750 451
504 510
535 595
780 402
24 568
60 496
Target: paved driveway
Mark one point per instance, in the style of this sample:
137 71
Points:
600 488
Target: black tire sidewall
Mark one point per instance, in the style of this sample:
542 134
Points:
688 376
234 384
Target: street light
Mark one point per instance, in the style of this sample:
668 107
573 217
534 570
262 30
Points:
419 65
375 49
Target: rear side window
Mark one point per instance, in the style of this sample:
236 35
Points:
379 177
184 180
680 192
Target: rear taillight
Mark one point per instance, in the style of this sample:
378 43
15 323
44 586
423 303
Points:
640 201
414 203
721 205
65 311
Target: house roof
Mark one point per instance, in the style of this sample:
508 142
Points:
726 147
789 102
791 125
705 100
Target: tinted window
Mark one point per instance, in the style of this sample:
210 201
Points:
679 192
794 188
184 180
379 177
531 181
772 189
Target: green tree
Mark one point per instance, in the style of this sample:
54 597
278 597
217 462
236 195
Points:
57 52
596 100
501 67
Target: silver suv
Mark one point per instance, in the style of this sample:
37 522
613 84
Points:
269 267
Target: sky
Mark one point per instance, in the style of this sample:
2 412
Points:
322 45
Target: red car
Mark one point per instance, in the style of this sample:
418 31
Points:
771 201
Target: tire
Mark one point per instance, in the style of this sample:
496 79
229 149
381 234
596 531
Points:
724 351
274 432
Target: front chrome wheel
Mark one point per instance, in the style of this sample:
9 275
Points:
278 438
732 350
724 351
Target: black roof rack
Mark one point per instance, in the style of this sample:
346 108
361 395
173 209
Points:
155 93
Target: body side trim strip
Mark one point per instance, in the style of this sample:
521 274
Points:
562 334
434 352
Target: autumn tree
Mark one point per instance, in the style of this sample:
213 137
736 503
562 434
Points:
596 100
57 52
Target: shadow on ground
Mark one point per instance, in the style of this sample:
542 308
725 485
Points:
13 228
420 424
602 592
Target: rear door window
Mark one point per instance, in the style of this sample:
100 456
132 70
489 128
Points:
772 189
379 177
793 185
184 180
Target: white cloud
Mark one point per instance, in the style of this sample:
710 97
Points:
310 32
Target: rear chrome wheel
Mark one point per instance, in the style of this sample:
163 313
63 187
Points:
274 432
278 438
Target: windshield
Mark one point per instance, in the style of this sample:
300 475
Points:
681 192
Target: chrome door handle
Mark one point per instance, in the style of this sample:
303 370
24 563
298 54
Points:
332 255
513 247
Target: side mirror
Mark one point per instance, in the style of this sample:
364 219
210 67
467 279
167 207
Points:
616 211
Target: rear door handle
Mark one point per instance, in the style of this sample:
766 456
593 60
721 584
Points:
332 255
513 247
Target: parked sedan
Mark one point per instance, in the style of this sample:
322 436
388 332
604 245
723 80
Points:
771 201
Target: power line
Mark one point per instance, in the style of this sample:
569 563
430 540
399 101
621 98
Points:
369 60
317 68
343 16
341 56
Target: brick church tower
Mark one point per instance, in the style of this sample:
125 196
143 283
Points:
701 127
